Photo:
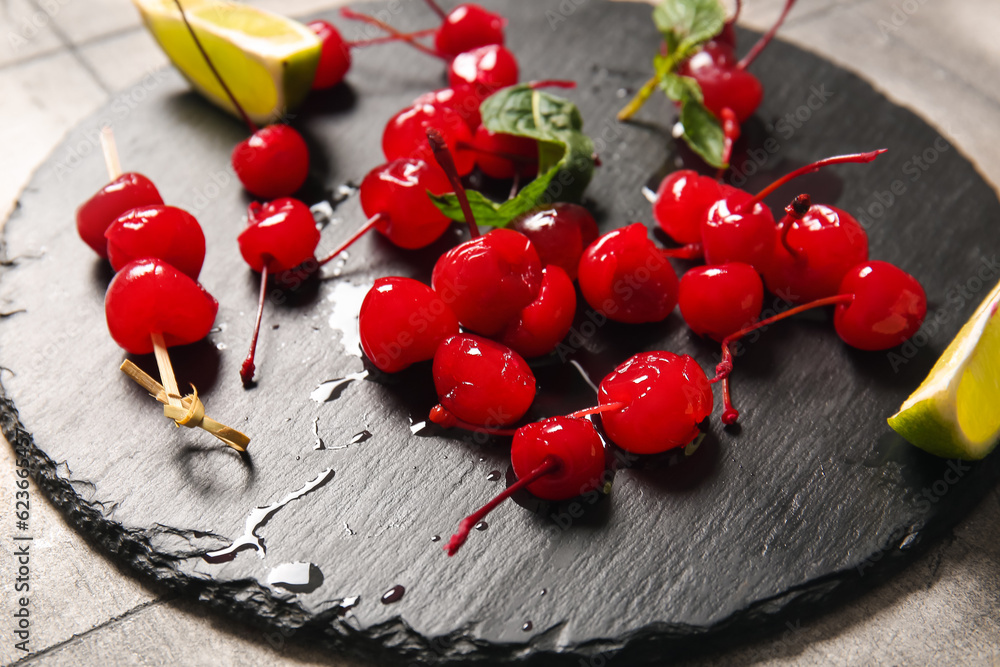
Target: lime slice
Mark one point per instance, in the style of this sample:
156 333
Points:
955 412
267 60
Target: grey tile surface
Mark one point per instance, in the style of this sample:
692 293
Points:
941 59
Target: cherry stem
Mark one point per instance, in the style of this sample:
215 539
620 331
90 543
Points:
208 61
551 83
729 413
372 221
166 370
731 132
766 39
443 157
111 161
371 20
856 158
689 251
793 213
725 366
549 465
736 14
607 407
390 38
515 185
248 368
513 157
436 8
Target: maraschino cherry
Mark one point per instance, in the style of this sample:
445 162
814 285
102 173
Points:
543 323
559 232
555 459
122 194
716 301
405 135
161 232
402 322
274 161
878 306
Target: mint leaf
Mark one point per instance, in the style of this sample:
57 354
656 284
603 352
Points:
681 88
703 133
565 153
687 23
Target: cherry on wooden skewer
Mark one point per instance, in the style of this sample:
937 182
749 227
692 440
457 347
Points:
162 232
123 193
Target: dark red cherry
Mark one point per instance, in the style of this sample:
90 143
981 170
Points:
403 321
468 27
281 234
149 296
889 306
716 301
731 234
682 203
503 155
625 277
157 232
724 84
273 162
665 397
559 233
398 190
95 215
547 320
481 382
405 135
573 442
486 70
490 279
826 243
334 57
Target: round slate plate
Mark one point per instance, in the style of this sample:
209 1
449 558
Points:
811 500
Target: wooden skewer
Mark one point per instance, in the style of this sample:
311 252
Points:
166 370
190 406
111 160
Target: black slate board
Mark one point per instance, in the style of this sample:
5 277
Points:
811 501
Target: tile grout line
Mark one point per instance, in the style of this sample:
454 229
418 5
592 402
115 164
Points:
74 52
27 660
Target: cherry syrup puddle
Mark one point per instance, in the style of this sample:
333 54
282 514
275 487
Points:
259 516
297 577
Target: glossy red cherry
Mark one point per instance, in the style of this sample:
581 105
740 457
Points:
149 296
468 27
279 235
157 232
576 446
403 321
486 70
124 193
664 395
463 100
398 191
560 233
717 301
547 320
405 135
334 57
813 253
682 203
273 162
889 306
625 277
481 382
724 84
491 278
504 155
738 229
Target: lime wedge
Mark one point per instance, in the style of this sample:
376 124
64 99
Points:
955 412
267 60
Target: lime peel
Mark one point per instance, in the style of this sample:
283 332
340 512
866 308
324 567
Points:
955 412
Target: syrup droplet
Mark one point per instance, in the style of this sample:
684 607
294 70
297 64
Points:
394 594
543 591
361 436
319 441
350 531
331 389
418 427
528 626
435 538
346 298
482 525
493 476
298 577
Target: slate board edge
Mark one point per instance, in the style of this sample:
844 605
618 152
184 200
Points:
395 642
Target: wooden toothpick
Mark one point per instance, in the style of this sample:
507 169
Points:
111 160
190 412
